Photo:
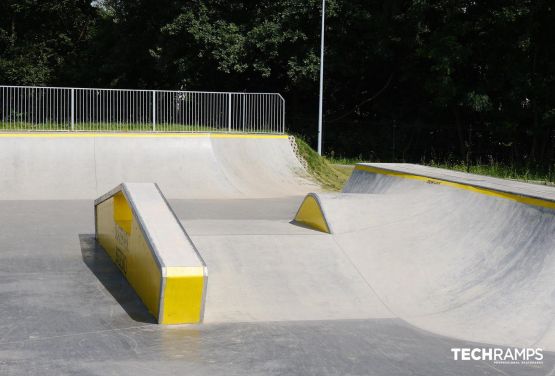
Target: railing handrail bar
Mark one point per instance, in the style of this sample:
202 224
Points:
143 90
89 109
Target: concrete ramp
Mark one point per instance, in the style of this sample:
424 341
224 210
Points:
272 271
457 254
404 254
53 166
336 213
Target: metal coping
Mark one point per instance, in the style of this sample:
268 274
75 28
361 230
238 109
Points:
138 215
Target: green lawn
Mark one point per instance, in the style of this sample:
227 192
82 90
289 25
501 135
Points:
502 171
115 127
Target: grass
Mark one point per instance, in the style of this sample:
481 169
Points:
333 172
344 161
115 127
138 127
499 170
331 177
111 127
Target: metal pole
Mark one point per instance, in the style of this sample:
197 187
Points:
229 111
244 109
153 110
283 116
72 109
321 78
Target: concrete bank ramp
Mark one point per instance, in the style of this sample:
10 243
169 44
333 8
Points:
52 166
457 254
272 271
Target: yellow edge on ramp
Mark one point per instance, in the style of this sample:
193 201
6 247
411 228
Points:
486 191
183 295
143 238
311 214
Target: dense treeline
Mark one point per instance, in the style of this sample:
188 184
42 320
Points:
406 80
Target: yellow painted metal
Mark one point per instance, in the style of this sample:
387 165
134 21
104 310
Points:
486 191
123 240
310 214
174 295
106 226
143 271
183 295
122 212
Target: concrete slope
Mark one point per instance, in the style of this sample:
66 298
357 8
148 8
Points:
455 257
85 166
364 183
260 167
348 212
269 271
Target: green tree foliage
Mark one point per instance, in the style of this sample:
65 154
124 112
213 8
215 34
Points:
448 80
41 42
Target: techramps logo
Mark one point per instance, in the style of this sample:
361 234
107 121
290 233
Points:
511 355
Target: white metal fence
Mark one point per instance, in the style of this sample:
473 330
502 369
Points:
79 109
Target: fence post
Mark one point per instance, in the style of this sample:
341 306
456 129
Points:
229 112
72 109
282 115
244 109
153 110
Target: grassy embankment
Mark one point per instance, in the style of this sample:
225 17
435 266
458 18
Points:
330 176
332 173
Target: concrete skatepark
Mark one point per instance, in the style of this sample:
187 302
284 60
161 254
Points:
416 261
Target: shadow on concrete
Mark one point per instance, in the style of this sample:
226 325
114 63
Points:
98 261
302 225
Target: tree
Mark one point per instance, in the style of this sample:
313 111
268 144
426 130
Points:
407 80
41 42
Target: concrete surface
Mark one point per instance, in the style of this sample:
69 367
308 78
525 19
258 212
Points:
85 166
502 185
412 270
67 310
473 266
269 270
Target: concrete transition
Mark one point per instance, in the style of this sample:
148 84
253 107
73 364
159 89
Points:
458 254
384 278
73 166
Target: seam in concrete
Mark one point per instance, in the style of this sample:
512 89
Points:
363 278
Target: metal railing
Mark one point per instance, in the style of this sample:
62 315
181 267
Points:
80 109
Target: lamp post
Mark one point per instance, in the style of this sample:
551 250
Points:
320 108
